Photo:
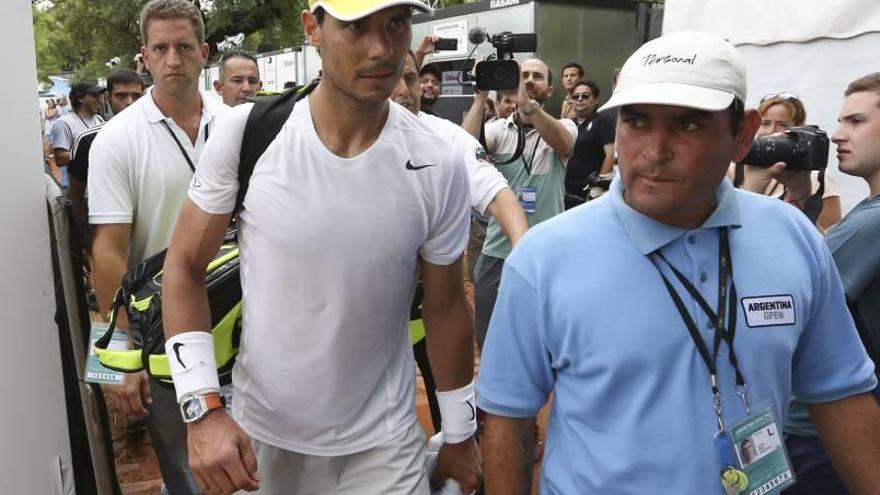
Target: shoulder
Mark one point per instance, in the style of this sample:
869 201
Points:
861 225
588 227
449 131
213 106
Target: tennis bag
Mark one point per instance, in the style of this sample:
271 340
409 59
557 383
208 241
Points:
140 295
140 292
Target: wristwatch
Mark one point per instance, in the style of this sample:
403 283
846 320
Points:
532 107
196 407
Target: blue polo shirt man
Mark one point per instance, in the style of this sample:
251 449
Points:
632 401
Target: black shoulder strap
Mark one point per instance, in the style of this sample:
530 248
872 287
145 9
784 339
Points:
265 121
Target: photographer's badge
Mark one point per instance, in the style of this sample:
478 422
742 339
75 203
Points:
528 198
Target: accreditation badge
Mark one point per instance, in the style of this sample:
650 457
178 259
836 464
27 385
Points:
762 455
528 198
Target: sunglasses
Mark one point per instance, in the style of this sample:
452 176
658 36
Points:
780 96
581 96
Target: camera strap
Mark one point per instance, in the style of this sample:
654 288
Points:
725 295
520 141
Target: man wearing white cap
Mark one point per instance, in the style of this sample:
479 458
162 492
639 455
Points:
346 205
712 307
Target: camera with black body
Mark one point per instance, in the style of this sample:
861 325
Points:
500 72
801 148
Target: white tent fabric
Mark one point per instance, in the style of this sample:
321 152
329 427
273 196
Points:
764 22
811 48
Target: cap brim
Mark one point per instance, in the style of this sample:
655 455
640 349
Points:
673 94
352 10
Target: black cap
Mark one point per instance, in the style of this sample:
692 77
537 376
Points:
83 88
431 69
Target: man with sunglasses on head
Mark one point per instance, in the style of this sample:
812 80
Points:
594 148
708 309
351 202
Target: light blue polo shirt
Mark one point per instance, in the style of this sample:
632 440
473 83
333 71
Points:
583 313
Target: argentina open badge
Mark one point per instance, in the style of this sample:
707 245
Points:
528 198
762 455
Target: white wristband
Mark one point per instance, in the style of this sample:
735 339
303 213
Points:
458 414
192 363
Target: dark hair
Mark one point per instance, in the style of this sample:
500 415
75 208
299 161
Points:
590 84
172 9
737 110
576 65
871 82
123 76
231 54
319 15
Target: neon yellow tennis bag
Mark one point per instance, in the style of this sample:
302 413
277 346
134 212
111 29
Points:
140 296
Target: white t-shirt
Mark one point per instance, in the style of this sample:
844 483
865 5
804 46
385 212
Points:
329 250
485 179
138 173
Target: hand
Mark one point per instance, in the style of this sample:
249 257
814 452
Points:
460 462
221 458
133 395
521 97
427 45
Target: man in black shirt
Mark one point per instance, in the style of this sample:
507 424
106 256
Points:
594 148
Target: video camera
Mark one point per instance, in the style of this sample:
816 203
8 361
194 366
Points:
499 71
801 148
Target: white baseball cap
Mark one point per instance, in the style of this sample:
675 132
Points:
350 10
685 69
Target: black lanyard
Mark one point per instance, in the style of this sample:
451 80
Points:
725 271
180 146
528 165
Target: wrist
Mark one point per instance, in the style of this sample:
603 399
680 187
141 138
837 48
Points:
530 108
192 363
458 413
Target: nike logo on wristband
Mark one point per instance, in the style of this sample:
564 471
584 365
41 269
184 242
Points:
410 166
176 348
473 411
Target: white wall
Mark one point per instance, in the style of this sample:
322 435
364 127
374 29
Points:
33 423
812 48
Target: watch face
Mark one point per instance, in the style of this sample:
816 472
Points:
193 409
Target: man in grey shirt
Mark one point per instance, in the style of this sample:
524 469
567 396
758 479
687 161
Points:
87 100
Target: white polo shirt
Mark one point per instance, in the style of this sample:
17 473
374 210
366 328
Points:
329 253
138 173
485 180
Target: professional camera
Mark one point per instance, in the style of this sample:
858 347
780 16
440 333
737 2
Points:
801 148
500 71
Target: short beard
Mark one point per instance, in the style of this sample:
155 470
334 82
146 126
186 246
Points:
428 101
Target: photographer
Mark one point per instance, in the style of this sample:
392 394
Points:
537 176
779 113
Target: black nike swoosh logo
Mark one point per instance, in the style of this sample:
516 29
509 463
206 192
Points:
176 348
410 166
473 411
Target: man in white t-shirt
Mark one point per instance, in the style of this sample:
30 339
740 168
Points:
140 165
350 200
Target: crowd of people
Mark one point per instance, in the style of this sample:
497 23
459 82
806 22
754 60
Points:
667 370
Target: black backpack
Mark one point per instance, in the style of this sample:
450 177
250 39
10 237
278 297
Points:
141 288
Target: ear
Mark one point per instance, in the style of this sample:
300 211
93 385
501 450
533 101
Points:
204 49
311 29
218 86
745 135
549 90
144 57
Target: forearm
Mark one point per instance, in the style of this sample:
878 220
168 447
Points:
508 454
850 432
184 300
553 132
510 217
110 265
77 194
608 162
474 118
450 337
62 157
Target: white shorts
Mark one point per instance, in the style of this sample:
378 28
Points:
396 467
